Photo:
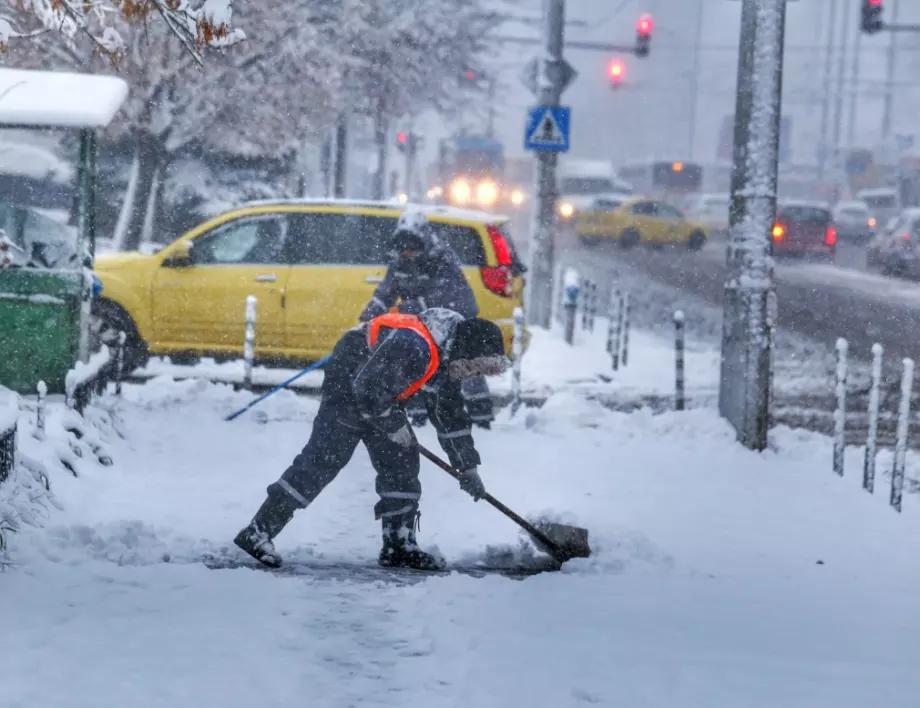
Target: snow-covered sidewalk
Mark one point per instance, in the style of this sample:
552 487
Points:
720 577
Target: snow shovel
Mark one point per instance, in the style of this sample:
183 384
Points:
312 367
558 540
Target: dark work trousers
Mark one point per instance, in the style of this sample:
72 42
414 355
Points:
337 430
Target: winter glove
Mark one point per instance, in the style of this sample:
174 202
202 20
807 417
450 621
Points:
403 437
374 309
471 483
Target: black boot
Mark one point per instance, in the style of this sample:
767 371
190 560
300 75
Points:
399 547
256 539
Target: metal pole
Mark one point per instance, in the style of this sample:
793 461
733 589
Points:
831 15
490 126
517 352
744 391
341 155
854 90
695 80
889 73
544 216
249 341
841 82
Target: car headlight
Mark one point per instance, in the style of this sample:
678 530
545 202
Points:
566 210
460 191
872 222
517 197
403 198
487 193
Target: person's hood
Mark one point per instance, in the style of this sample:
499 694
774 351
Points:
442 324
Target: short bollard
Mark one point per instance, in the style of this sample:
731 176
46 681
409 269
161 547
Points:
625 357
875 385
900 445
517 347
840 414
570 305
39 433
249 343
120 362
679 393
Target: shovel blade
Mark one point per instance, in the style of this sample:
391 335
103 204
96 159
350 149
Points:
570 541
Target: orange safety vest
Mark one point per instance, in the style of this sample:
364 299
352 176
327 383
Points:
394 320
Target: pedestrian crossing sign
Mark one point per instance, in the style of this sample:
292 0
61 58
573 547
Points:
548 129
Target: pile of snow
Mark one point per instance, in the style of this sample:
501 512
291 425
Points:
720 577
549 366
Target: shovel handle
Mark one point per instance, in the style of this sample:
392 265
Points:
520 521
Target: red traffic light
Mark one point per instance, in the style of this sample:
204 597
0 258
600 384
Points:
470 76
616 70
875 2
645 24
402 138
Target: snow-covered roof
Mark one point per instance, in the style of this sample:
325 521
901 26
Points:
428 209
59 99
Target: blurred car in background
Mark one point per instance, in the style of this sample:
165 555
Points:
637 220
712 210
804 229
895 251
854 222
883 202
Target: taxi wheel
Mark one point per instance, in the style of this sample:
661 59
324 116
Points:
630 238
697 240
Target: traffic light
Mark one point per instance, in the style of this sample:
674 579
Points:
871 16
408 142
615 72
644 35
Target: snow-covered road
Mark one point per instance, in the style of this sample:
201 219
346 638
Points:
719 577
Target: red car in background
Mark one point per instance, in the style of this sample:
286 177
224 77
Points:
805 230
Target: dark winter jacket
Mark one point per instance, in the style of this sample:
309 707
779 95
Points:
433 279
366 381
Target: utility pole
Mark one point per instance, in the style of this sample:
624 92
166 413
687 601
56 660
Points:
695 79
744 390
889 75
490 116
823 144
550 87
841 83
341 155
854 93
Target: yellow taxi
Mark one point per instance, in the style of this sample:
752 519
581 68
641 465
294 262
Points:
313 265
639 220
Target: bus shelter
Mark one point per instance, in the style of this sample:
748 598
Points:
46 267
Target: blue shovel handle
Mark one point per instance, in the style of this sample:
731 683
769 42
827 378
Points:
312 367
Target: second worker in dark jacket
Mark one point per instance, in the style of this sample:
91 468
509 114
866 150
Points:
425 272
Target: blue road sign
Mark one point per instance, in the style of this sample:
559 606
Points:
548 129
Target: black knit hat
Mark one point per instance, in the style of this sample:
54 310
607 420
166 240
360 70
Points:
476 338
408 241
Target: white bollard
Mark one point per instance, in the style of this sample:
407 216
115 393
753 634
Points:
613 314
625 357
249 343
872 435
517 347
900 445
679 393
840 414
120 362
39 433
618 332
570 305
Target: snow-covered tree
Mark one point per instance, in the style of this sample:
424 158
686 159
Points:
194 25
258 97
404 57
